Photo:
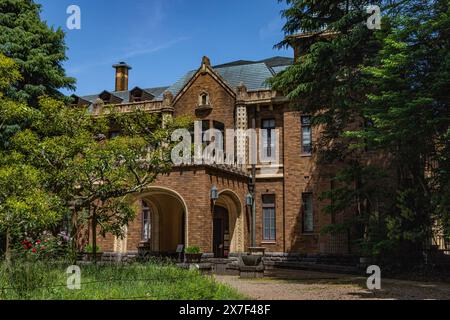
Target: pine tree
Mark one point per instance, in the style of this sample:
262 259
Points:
37 49
386 91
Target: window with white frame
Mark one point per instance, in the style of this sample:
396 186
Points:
204 99
306 135
268 125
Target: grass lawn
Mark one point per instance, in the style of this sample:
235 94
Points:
150 281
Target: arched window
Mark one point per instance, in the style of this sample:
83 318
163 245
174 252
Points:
146 222
204 99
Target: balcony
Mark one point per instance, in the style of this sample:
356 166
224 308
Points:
147 106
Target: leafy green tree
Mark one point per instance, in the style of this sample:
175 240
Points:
25 206
38 50
409 106
94 174
383 91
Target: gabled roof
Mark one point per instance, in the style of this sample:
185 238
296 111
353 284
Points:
125 95
270 62
253 74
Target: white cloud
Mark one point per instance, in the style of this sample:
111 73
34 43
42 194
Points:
137 51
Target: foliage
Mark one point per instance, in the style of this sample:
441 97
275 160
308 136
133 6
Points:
36 48
47 246
136 281
25 203
63 158
192 250
97 175
90 249
385 92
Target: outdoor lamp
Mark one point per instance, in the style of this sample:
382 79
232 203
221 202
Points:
249 200
214 194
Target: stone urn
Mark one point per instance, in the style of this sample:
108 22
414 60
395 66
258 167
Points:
251 260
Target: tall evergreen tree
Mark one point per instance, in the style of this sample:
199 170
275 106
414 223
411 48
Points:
37 49
409 106
384 90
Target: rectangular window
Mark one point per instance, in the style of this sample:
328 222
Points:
268 137
221 127
269 219
306 135
308 213
205 127
146 222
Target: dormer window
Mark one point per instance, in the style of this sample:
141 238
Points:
139 95
109 98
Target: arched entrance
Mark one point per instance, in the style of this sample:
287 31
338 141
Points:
228 223
163 220
221 232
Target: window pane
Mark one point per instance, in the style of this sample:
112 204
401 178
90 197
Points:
269 222
306 135
268 138
308 213
146 222
306 121
268 124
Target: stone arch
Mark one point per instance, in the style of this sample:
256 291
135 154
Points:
169 218
231 201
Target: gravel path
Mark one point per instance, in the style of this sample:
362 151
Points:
309 285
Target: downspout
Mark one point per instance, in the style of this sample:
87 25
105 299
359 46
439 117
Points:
254 190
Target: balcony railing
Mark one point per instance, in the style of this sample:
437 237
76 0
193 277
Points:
148 106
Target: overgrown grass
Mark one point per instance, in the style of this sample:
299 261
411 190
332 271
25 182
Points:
150 281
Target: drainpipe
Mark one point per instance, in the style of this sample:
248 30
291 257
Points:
254 191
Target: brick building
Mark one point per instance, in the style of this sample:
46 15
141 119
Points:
178 208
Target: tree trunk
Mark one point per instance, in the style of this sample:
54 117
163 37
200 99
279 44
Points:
8 248
94 236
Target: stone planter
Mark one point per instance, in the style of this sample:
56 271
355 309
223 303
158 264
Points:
251 260
193 257
251 266
251 272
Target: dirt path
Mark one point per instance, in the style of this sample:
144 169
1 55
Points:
309 285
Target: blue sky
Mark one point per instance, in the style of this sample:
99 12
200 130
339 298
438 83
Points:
162 39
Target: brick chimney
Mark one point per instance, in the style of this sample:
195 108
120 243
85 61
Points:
302 42
122 76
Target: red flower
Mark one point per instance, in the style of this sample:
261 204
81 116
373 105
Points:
34 250
25 247
38 242
29 245
42 248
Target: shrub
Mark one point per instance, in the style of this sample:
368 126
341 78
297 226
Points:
90 249
44 247
192 250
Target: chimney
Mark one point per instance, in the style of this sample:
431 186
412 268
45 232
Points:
302 42
122 76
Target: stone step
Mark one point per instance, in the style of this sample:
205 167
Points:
312 267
